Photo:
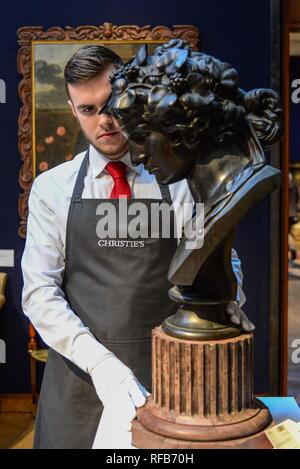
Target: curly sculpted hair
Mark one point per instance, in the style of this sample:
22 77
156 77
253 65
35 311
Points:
188 95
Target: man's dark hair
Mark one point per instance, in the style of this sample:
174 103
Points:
88 62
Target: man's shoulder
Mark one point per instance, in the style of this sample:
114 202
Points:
61 176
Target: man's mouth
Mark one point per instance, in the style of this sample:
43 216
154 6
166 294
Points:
107 135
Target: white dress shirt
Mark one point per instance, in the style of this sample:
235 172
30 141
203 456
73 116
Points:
43 260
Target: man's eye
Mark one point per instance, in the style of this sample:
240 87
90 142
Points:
88 110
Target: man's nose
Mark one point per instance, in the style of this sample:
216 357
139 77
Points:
105 119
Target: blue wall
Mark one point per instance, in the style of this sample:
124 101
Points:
233 30
295 114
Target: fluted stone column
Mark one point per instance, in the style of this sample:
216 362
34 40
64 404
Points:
202 395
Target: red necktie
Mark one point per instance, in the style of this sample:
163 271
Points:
117 170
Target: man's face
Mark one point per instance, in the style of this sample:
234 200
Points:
101 130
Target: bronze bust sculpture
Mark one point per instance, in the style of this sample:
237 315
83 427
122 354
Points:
186 117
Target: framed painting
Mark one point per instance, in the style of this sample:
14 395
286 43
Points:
48 133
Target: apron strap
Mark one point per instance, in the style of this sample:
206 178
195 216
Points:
79 184
165 192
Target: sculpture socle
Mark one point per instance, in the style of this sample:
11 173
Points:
186 117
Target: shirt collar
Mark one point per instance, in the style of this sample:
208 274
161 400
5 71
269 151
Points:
98 162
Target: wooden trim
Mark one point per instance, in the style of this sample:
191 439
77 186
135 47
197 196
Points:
294 26
16 403
275 215
294 14
283 340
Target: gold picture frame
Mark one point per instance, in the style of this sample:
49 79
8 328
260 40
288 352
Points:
36 89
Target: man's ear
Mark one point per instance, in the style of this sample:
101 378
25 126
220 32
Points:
72 108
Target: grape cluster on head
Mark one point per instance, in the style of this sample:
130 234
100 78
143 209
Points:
190 95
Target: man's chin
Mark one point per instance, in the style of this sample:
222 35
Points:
111 150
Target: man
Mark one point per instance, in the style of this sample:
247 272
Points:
94 303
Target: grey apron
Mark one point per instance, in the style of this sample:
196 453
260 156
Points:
120 293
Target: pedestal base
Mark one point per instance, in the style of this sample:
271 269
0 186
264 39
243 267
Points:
145 439
201 396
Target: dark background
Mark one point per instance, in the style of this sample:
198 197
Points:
295 115
233 30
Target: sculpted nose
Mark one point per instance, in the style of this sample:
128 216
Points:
106 109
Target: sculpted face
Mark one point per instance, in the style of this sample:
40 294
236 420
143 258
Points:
169 161
144 114
160 159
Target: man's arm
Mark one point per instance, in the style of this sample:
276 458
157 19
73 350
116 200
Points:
43 299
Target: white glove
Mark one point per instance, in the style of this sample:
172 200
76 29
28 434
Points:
120 393
114 431
117 388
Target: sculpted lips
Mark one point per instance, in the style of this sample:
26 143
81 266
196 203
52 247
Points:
142 158
151 168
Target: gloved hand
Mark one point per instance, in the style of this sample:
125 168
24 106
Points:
114 430
117 388
120 393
